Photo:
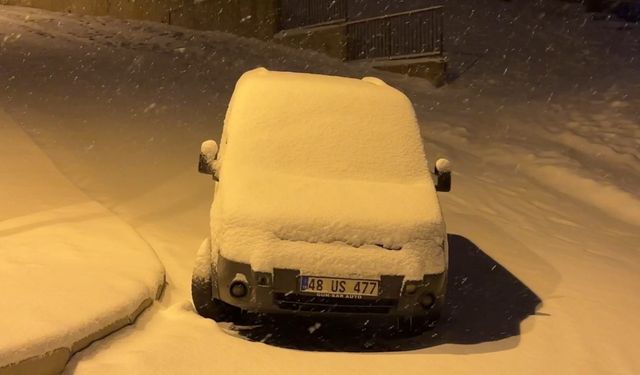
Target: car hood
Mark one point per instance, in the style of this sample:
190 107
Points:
265 252
356 212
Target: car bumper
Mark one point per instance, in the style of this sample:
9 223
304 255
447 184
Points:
278 293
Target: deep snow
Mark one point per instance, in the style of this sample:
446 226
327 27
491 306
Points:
541 123
70 270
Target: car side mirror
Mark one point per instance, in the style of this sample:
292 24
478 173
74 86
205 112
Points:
442 171
208 154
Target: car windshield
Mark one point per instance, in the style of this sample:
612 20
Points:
324 127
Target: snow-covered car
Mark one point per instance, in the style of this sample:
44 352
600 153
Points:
324 204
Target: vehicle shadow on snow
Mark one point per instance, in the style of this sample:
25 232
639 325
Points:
485 303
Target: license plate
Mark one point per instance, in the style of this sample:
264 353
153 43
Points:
338 287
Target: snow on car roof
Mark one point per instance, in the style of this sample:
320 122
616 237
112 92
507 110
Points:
323 126
322 159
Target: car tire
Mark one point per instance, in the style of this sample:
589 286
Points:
204 288
209 307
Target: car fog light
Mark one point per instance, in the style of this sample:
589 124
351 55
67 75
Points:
238 289
426 300
263 281
410 288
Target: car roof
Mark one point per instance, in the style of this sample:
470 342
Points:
322 126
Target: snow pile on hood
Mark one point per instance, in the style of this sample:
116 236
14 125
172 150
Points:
301 208
265 251
322 159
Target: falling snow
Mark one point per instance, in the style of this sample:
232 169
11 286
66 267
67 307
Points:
540 119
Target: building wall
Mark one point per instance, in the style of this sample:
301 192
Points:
330 40
93 7
254 18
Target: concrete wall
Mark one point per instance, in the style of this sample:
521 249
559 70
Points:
330 40
256 18
433 69
89 7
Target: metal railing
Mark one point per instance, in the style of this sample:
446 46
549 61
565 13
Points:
308 13
409 34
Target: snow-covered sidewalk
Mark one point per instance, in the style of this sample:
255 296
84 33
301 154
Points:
71 271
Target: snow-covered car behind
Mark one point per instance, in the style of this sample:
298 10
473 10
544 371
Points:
324 204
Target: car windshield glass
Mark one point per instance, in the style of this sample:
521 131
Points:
323 127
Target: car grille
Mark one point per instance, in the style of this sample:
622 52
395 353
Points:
302 302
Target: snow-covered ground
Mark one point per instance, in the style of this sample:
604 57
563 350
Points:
541 121
71 271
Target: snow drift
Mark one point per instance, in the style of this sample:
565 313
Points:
71 271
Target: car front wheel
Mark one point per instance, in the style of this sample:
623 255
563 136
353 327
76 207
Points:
202 289
209 307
